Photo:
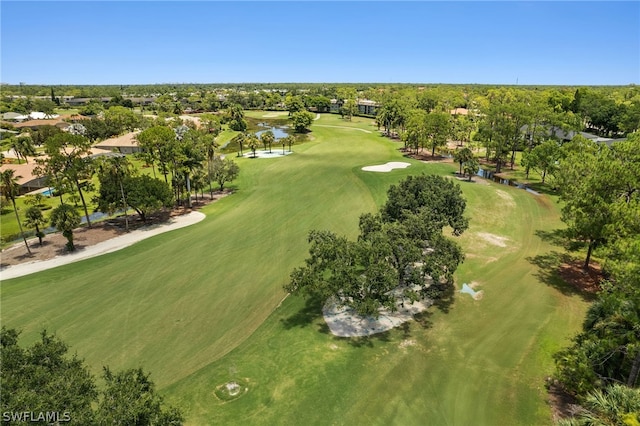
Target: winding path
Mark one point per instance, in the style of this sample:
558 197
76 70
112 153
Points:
104 247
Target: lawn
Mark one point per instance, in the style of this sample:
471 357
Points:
204 305
10 231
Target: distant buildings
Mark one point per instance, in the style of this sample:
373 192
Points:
35 115
365 106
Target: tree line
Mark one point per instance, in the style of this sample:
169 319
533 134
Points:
600 193
506 120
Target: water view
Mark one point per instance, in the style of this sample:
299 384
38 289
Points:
278 131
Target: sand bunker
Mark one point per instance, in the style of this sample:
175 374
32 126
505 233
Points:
275 114
344 322
384 168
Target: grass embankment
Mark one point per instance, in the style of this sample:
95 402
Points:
199 307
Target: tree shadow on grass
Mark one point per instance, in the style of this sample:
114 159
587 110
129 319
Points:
445 299
423 319
556 237
548 272
306 316
369 341
560 238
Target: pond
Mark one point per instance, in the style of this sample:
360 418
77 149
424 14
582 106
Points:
491 176
278 131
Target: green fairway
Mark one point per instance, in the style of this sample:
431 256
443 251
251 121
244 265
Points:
484 362
201 306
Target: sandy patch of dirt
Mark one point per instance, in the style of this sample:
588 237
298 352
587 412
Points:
563 405
345 322
427 158
407 342
585 281
493 239
506 197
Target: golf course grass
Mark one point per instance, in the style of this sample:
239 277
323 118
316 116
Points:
203 305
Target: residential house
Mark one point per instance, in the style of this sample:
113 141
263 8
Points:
124 144
25 176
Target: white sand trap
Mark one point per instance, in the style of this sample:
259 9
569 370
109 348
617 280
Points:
275 114
266 154
344 322
104 247
496 240
385 168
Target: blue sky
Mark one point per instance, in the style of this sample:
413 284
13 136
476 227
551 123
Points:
577 43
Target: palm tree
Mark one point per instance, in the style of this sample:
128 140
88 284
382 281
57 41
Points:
615 405
471 167
10 187
252 143
267 138
119 168
199 182
190 158
290 140
23 147
240 139
70 154
35 219
210 146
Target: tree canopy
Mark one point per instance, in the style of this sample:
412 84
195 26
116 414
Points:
400 253
600 188
224 170
301 120
44 378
